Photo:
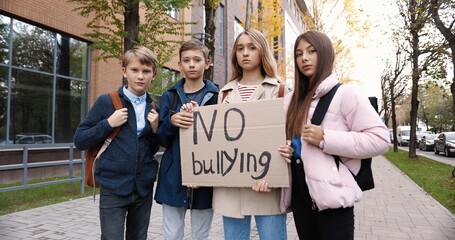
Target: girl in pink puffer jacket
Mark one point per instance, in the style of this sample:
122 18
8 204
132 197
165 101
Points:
323 196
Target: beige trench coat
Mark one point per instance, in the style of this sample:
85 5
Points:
238 202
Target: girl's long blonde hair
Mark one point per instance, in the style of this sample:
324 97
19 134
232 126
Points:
306 87
268 63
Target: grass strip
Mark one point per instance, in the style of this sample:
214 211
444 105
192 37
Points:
24 199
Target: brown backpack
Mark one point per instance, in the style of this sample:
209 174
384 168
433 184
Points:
92 154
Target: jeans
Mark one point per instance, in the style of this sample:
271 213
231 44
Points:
114 210
271 227
174 222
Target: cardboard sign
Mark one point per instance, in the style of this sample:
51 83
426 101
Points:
233 145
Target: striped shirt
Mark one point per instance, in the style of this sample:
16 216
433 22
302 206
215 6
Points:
246 91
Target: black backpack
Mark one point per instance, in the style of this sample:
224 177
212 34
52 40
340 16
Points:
365 176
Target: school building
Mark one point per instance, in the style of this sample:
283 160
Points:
49 79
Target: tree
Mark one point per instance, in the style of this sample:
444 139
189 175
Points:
393 86
210 27
447 9
117 26
434 107
269 19
422 45
249 12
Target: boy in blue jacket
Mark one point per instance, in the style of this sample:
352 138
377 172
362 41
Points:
127 169
175 108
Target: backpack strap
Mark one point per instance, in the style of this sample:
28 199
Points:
280 93
117 102
323 105
224 95
174 101
155 106
321 110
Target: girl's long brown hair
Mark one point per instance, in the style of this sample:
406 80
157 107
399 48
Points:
305 87
268 63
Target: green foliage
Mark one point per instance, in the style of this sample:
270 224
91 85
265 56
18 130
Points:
4 32
432 176
435 107
108 26
163 81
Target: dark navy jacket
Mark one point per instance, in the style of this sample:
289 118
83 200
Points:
129 160
169 189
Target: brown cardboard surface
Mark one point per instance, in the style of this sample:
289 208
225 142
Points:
233 145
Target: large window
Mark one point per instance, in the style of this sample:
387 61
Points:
43 84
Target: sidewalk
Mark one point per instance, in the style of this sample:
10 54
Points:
396 209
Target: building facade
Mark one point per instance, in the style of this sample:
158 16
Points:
230 19
49 78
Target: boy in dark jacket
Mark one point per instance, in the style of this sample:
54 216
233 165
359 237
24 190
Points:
176 105
127 169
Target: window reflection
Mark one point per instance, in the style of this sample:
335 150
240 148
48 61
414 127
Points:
3 103
4 36
28 113
71 57
71 100
31 104
32 47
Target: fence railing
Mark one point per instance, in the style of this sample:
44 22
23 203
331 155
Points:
26 165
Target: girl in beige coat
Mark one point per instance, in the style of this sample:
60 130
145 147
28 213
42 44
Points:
254 77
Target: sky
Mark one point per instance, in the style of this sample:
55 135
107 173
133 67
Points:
370 61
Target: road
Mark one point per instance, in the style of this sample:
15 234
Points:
430 154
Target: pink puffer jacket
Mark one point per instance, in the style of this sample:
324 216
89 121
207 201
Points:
352 130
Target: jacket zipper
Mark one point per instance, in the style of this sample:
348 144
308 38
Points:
313 205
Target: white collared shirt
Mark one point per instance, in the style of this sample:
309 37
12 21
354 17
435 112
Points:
139 108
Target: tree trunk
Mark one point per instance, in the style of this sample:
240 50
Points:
450 37
131 16
394 120
249 10
415 89
210 29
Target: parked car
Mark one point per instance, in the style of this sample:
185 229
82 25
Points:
403 133
33 138
426 142
418 137
445 142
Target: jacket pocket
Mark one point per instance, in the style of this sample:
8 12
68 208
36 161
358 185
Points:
336 190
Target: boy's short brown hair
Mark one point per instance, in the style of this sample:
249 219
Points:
194 44
143 55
